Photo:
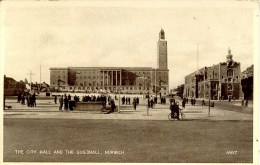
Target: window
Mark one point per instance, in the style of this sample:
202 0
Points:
230 73
230 87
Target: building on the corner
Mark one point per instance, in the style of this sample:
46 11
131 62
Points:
220 81
112 79
247 82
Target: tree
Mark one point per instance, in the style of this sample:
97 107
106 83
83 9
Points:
25 81
180 90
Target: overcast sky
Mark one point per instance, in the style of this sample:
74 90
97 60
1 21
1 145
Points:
123 34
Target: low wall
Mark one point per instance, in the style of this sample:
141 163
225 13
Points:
88 106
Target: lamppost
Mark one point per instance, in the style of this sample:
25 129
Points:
148 100
209 97
119 90
148 87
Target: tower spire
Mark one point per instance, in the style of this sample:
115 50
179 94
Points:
229 56
161 35
197 58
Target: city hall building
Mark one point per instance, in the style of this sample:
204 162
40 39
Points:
112 79
221 81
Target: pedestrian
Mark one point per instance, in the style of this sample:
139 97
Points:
183 103
31 101
66 103
23 100
246 104
129 100
27 100
61 102
212 104
55 99
113 106
203 103
137 101
151 103
123 100
172 108
134 103
177 110
18 98
34 99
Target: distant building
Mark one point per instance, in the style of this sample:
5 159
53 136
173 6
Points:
9 82
12 87
112 79
221 81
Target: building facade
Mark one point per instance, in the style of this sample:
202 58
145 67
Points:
112 79
221 81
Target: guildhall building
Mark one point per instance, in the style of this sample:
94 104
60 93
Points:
221 81
134 80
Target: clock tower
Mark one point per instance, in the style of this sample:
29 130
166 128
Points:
162 62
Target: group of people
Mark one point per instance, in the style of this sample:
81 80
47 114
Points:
94 98
163 100
66 101
30 99
193 101
152 101
127 100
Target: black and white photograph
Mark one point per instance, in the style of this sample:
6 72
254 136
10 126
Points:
122 81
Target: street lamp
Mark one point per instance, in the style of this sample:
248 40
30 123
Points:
209 97
149 82
119 90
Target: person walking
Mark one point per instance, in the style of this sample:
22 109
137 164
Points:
23 100
134 103
34 99
113 106
203 103
55 99
129 100
183 103
246 104
66 103
177 110
61 102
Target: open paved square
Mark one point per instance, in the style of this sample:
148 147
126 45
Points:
42 134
